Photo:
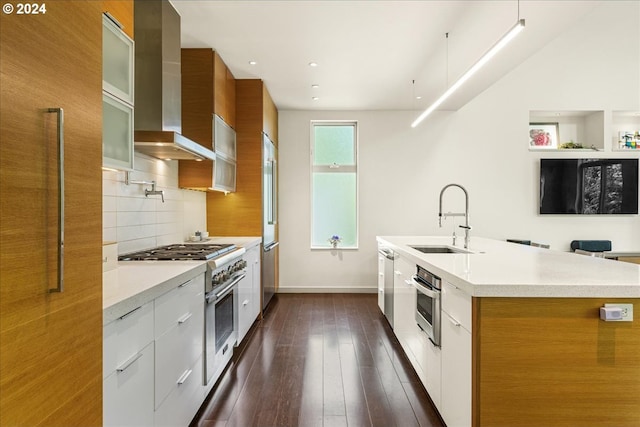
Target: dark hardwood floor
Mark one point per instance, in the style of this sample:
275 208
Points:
319 360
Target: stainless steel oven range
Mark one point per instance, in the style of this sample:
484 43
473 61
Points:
428 292
225 269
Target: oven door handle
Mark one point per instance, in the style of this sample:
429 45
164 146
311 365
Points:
424 290
229 288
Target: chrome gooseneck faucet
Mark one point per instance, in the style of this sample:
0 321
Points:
466 225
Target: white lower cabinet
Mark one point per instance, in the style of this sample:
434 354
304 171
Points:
431 363
128 393
381 282
248 305
179 320
445 371
128 353
404 304
456 357
184 400
152 360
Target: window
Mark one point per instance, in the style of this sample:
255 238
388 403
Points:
334 184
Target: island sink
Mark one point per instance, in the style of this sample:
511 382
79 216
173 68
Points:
439 250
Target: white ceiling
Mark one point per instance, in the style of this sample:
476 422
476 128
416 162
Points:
370 52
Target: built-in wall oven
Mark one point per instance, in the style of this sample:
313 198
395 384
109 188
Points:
428 292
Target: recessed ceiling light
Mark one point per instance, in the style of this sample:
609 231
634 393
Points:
252 62
315 86
313 64
315 98
418 97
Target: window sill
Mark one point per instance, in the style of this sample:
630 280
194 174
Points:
339 248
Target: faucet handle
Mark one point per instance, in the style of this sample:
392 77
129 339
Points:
467 227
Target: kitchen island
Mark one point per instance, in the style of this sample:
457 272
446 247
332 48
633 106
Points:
522 342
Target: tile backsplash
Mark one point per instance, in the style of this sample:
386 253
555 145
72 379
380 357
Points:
137 222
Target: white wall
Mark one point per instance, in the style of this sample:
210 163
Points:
138 222
483 146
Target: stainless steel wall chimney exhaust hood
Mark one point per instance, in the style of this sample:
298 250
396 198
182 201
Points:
158 92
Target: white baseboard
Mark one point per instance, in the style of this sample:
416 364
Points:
326 290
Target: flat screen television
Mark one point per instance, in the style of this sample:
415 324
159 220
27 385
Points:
588 186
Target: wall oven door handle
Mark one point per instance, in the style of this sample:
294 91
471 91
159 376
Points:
60 113
424 290
229 288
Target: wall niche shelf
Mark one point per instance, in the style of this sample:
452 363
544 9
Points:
625 123
562 130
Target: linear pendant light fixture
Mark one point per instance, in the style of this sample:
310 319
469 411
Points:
514 31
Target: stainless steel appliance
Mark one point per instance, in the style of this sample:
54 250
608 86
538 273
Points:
389 257
270 219
226 267
428 291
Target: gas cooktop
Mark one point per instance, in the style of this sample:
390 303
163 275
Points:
179 252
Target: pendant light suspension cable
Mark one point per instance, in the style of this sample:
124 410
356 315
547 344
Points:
514 31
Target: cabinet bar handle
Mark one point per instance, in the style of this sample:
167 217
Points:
129 362
184 284
184 318
60 113
129 313
114 20
453 321
184 377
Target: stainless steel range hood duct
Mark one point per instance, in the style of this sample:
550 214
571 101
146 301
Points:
158 97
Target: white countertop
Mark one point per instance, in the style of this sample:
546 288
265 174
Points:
134 283
502 269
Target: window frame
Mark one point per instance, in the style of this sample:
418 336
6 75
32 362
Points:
333 169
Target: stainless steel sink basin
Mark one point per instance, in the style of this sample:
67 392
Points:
438 250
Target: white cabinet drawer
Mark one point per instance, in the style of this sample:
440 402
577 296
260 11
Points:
174 306
128 393
125 337
184 400
177 350
457 303
455 405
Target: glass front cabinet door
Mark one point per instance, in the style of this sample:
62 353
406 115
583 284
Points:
117 133
117 97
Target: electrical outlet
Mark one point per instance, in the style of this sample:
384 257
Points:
627 311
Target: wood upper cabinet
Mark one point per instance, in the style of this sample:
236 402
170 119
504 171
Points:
269 116
51 357
121 11
224 91
208 88
240 213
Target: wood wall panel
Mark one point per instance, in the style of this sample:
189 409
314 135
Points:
51 342
122 10
552 362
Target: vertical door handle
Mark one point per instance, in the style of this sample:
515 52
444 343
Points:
274 192
60 113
